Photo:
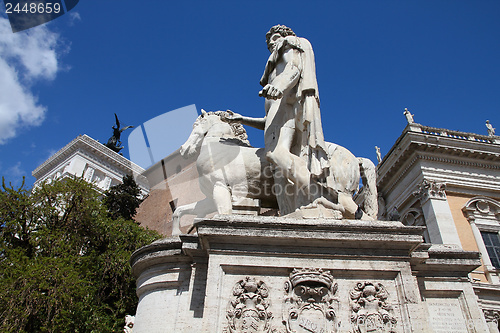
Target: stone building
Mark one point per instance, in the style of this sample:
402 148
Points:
449 182
87 158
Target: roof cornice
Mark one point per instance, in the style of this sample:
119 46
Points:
441 145
86 143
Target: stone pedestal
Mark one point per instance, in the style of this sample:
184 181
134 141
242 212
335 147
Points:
268 274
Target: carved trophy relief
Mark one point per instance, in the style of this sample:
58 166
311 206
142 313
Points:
492 316
430 189
247 311
310 305
370 311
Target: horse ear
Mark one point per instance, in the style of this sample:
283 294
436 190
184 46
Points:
203 113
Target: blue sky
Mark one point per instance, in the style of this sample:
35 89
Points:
140 59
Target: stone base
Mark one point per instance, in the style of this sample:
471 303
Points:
269 274
315 213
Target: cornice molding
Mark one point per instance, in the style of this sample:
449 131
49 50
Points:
91 148
459 162
443 149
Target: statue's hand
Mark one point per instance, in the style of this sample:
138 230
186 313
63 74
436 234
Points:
231 116
271 92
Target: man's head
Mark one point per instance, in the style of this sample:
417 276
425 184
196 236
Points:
276 33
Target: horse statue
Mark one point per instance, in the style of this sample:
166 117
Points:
230 169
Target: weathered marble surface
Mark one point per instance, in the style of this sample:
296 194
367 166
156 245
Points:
268 274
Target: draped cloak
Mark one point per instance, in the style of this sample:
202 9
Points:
307 111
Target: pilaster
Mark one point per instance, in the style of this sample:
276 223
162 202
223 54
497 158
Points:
437 213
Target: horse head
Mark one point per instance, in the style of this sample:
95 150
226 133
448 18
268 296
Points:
195 139
208 124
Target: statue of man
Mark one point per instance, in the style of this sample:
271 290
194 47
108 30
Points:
491 129
409 116
293 134
379 155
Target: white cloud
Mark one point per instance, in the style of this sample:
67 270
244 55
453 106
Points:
13 175
15 171
74 16
25 57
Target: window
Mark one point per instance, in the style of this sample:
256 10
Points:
492 243
483 214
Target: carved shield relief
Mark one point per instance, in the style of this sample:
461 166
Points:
310 305
247 312
370 310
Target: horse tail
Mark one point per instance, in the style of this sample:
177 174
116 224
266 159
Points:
369 191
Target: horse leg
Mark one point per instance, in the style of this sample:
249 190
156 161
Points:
200 208
349 205
369 178
222 198
351 208
178 213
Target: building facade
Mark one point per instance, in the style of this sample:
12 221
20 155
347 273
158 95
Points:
96 163
449 182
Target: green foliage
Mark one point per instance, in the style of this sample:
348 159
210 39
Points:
123 199
64 261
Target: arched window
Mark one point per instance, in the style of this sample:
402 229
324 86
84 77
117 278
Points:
415 217
483 215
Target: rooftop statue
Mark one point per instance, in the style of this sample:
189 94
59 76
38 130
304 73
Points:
114 142
409 116
309 171
379 155
491 130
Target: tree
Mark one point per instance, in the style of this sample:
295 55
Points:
64 261
123 199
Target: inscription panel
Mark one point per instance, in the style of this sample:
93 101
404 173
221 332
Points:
446 315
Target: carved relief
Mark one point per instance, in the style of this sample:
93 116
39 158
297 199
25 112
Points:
248 310
430 189
370 311
492 316
310 306
483 207
414 217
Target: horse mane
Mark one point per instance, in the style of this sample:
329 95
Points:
237 128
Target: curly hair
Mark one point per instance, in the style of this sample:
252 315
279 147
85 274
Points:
237 128
281 29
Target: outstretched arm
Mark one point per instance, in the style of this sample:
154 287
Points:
258 123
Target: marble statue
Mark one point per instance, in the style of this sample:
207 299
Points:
379 156
293 134
129 324
228 167
114 142
409 116
491 129
230 170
